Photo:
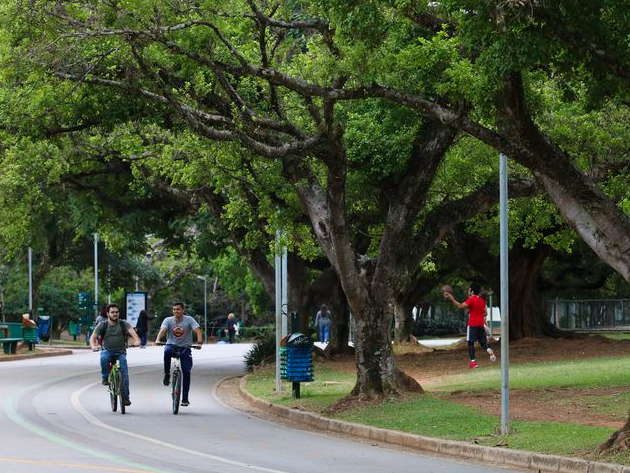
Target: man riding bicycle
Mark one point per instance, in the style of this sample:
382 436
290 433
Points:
179 338
114 333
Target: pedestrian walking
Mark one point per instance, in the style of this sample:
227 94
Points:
231 327
142 327
322 322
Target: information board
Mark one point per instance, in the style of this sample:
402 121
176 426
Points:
135 302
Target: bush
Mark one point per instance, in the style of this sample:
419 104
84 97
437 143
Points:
264 347
444 326
253 332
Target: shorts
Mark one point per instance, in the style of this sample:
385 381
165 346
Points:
477 334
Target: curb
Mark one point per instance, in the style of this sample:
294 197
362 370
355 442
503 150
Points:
36 355
498 456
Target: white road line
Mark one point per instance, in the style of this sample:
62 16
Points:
76 403
10 409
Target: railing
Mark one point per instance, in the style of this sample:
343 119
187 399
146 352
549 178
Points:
603 314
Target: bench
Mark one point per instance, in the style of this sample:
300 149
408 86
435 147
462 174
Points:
9 345
30 336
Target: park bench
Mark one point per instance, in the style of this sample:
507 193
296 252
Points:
30 336
9 345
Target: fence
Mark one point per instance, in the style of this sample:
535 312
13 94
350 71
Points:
603 314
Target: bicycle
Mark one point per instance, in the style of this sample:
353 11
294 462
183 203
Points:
176 378
115 386
115 383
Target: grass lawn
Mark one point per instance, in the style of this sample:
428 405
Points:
586 373
433 415
616 336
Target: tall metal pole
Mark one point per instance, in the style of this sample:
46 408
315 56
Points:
30 282
285 293
205 308
505 318
95 275
278 281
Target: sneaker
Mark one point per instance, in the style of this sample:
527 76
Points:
127 401
185 403
105 382
473 364
167 379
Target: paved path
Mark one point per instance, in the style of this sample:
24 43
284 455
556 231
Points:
56 418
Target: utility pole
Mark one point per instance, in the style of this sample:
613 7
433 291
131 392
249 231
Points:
205 306
30 282
95 276
505 306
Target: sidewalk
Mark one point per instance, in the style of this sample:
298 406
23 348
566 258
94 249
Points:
499 456
27 355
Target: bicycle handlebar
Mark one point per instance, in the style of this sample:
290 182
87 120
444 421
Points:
97 349
196 346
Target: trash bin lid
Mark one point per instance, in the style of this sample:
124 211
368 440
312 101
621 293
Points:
299 340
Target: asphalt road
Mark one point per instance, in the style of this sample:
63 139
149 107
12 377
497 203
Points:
56 418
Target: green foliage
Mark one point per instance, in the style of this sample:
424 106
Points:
264 348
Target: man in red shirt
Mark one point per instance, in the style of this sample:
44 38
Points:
476 322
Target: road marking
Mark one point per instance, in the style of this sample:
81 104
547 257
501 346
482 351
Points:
10 410
82 466
96 422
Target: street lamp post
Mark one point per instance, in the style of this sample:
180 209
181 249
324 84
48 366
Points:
505 305
205 306
30 282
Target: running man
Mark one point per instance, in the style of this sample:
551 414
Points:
179 338
476 322
114 333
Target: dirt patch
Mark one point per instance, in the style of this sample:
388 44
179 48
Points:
567 405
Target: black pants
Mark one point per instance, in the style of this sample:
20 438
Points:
231 334
476 334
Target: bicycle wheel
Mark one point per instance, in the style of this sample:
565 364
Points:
120 391
113 390
177 391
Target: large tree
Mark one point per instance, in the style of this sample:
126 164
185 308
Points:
283 105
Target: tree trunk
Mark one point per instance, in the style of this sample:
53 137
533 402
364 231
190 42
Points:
527 311
38 277
403 322
339 329
377 374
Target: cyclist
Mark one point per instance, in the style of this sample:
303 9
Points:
179 338
114 333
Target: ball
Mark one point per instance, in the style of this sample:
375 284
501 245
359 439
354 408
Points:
447 288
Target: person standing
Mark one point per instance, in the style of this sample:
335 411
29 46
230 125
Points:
322 322
179 339
114 333
475 331
231 327
142 327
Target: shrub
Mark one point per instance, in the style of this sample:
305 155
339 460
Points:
254 332
264 347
